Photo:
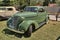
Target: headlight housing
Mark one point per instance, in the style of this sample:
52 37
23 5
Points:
14 22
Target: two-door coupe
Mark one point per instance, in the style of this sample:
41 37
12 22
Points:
27 21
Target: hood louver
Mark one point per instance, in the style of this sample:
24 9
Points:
15 21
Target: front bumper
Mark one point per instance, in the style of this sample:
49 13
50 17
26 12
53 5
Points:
15 31
6 17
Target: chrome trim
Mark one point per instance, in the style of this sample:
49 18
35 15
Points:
15 30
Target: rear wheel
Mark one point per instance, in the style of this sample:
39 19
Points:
0 18
29 31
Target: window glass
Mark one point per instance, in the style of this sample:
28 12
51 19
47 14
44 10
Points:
41 10
31 9
9 9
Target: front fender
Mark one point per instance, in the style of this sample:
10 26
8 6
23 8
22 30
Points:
25 24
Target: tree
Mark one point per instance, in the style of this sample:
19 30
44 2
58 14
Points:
52 1
20 4
0 3
45 3
6 2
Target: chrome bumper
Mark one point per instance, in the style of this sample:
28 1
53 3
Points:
15 30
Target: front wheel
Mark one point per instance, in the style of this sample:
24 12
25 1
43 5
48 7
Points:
29 31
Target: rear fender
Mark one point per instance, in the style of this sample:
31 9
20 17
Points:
25 24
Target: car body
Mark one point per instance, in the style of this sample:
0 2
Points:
30 19
7 11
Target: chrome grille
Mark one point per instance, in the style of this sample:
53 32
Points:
14 22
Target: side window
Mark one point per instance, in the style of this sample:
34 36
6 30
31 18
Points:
9 9
2 8
41 10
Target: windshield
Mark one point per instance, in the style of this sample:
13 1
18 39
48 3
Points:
31 9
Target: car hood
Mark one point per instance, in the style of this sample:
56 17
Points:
26 14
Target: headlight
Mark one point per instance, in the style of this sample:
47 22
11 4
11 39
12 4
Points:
15 21
23 18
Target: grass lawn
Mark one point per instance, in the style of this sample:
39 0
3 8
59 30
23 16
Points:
50 31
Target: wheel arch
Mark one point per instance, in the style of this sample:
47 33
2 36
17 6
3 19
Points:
25 25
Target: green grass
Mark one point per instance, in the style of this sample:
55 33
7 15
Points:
50 31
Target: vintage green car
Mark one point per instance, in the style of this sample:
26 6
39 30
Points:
28 20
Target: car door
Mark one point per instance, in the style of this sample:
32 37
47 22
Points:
41 15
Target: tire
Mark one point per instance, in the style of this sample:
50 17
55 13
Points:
0 19
29 31
46 22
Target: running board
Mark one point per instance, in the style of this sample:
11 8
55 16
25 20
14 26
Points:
42 23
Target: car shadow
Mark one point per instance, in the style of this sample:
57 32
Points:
7 31
38 28
4 20
19 35
58 38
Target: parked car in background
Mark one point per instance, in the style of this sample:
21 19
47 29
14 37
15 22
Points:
27 21
7 11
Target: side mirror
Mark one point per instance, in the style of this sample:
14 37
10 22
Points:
40 10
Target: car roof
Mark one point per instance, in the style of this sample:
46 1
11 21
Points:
36 6
6 6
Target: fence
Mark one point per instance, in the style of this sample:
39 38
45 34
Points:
54 13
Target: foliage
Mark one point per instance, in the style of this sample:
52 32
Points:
0 3
19 3
58 3
46 2
6 2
